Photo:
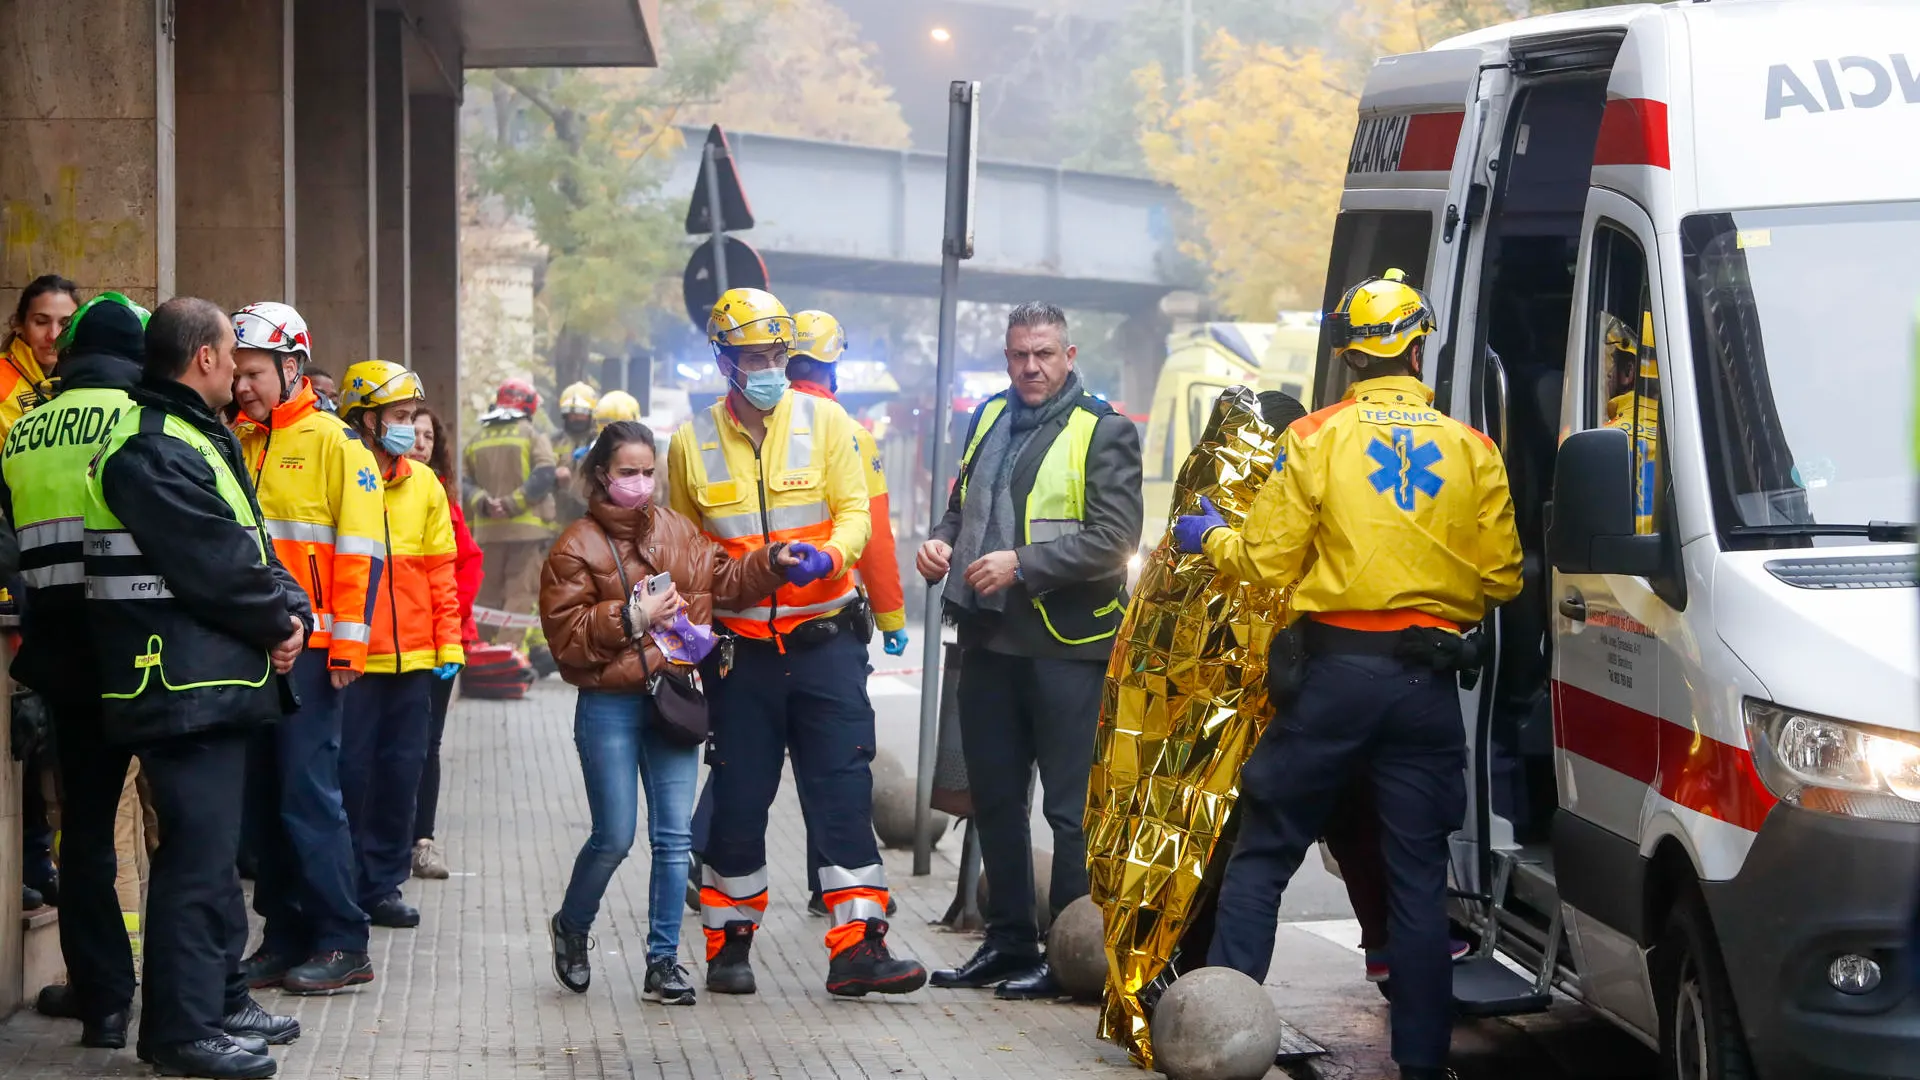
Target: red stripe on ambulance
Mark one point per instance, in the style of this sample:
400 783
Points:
1633 131
1406 142
1702 774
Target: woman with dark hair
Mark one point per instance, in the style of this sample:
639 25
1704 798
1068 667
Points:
598 612
432 447
46 306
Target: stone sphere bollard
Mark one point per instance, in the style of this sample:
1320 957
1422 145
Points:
1077 949
1215 1024
893 802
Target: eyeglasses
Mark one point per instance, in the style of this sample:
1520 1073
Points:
768 360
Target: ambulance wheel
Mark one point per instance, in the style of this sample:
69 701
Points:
1699 1024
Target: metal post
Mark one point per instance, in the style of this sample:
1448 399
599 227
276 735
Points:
711 158
963 100
1186 45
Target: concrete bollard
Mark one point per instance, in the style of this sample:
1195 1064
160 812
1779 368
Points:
1215 1024
1077 949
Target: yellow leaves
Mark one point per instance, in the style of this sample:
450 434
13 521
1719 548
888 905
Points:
1260 151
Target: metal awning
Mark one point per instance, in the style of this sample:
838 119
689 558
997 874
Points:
560 33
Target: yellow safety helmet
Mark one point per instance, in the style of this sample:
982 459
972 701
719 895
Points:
371 384
1381 317
616 405
749 317
578 398
818 336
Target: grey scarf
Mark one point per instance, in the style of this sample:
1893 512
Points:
987 515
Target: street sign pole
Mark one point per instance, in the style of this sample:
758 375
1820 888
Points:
963 114
710 155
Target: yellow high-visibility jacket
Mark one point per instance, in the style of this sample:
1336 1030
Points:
1384 513
806 482
22 384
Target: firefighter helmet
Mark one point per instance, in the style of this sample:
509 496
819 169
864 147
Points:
818 336
578 399
371 384
616 405
749 317
1381 317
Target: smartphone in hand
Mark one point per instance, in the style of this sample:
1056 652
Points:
659 583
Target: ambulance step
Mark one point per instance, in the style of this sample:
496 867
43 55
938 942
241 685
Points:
1483 986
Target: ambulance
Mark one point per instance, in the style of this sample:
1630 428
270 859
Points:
1675 251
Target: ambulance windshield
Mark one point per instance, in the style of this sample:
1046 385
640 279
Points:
1802 322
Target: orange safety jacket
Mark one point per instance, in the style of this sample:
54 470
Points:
319 491
22 384
879 565
802 484
416 617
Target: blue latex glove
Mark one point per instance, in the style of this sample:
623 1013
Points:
1190 531
896 642
446 671
814 564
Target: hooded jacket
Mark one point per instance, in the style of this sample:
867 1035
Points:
582 592
416 616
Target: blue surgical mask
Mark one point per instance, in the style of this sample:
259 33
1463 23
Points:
398 439
764 389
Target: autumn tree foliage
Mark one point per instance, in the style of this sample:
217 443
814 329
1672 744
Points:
1259 150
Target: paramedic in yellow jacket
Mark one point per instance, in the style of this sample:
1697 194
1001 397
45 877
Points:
416 639
320 493
765 466
45 307
1393 526
510 480
1633 406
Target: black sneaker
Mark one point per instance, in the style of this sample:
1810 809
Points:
667 982
866 967
328 972
251 1021
266 969
571 966
730 971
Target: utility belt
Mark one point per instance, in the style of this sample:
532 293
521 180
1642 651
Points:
1436 650
855 619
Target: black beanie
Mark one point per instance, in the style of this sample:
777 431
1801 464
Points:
109 328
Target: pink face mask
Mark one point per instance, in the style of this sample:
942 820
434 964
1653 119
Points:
630 491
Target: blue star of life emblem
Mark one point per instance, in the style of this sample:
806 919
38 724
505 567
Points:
367 480
1406 468
1280 460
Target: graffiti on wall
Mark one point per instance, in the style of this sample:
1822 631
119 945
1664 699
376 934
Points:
48 236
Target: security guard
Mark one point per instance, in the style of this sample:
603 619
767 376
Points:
765 466
577 432
511 478
1393 526
315 483
45 469
193 618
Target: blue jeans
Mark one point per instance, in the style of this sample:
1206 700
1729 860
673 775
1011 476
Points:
619 754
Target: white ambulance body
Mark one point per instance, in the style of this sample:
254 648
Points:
1697 754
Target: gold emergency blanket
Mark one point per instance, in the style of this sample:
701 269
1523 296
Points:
1185 702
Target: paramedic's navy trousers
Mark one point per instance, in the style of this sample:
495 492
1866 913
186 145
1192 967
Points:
1402 725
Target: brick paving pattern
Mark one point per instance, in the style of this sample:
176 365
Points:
470 994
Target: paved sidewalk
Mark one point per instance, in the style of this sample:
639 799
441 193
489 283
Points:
470 994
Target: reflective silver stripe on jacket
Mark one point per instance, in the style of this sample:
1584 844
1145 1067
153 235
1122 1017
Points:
304 532
111 544
744 887
360 545
779 518
833 878
58 531
763 613
800 431
1045 529
131 587
350 631
706 435
46 577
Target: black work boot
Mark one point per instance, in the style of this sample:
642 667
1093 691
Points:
571 967
266 969
328 972
220 1058
252 1021
866 967
394 913
730 971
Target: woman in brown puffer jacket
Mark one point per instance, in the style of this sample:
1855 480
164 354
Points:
597 627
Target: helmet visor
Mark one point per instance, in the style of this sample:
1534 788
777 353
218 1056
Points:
402 387
756 332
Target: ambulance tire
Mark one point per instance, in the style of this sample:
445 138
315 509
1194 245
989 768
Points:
1700 1035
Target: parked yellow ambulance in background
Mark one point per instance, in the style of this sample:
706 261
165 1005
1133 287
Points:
1675 252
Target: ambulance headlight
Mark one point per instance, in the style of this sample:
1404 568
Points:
1834 766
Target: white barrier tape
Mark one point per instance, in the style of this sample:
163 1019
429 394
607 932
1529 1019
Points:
486 616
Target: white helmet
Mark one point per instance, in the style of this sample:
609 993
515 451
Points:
274 327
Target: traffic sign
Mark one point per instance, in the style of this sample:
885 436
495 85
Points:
745 270
735 214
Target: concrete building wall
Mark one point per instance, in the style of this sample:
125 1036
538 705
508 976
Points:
434 241
333 185
392 142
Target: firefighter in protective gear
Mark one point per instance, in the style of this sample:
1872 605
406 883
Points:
44 465
317 486
577 433
511 478
614 405
1393 526
416 639
765 466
